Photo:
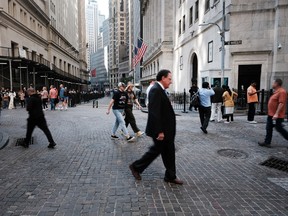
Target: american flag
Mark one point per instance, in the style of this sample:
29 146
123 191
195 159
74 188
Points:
140 52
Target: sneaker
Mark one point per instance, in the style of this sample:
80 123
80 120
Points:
51 145
130 139
212 120
114 137
139 133
227 122
252 122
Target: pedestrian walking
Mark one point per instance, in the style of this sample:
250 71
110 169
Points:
217 102
53 95
44 97
161 127
252 100
205 94
12 96
22 98
193 90
276 113
66 99
36 118
129 116
62 97
118 105
228 98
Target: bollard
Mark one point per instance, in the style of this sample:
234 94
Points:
184 111
94 103
262 103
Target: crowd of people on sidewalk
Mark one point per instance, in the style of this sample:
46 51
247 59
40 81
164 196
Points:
10 99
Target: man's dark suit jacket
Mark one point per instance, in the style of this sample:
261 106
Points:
161 116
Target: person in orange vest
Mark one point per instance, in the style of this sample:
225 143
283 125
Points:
252 100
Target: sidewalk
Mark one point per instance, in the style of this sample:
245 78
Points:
87 173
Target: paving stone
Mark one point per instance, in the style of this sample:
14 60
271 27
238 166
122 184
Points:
87 173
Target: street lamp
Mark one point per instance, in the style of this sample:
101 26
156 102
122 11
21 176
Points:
222 33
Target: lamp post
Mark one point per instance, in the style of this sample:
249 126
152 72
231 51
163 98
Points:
222 34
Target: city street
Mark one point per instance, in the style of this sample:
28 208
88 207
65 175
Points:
87 173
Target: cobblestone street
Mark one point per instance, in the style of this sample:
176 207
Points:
87 173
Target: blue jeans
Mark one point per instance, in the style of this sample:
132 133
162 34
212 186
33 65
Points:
52 103
120 122
278 126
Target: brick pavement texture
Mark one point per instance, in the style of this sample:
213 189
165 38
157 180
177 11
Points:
87 173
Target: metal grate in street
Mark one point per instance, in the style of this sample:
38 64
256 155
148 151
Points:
20 141
276 163
233 153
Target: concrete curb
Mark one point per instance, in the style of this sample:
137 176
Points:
4 141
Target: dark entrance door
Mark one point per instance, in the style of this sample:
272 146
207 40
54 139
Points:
194 69
247 74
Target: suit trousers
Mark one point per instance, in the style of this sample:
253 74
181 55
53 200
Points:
130 119
41 123
167 150
205 114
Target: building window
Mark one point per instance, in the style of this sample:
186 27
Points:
207 5
196 10
121 6
180 23
184 24
191 16
14 10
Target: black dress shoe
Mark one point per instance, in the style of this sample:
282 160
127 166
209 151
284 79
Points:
175 181
264 144
204 130
51 145
135 173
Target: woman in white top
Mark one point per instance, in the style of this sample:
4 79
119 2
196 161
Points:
44 97
11 95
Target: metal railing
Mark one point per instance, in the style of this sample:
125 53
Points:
181 101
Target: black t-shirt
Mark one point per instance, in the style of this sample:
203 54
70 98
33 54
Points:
120 100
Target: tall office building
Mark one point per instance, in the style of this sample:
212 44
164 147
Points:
119 43
40 43
92 21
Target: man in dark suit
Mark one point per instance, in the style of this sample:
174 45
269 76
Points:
161 127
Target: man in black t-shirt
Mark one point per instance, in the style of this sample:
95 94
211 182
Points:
118 105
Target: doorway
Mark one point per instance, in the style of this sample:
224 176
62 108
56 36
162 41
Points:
247 74
194 68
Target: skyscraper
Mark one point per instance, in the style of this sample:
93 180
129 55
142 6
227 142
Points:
119 41
91 27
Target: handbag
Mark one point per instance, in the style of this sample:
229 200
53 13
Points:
195 99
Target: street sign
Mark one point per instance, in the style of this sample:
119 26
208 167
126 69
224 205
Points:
238 42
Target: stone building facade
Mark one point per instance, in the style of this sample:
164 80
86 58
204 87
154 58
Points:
40 43
260 25
118 40
158 27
